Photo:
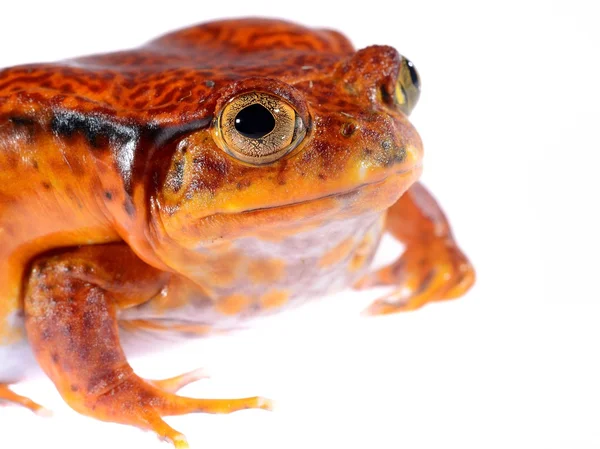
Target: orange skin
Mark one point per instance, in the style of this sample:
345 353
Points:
118 208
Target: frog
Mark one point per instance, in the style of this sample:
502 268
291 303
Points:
220 173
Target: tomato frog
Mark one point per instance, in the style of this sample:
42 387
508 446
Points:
217 174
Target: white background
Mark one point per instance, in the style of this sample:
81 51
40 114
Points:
510 115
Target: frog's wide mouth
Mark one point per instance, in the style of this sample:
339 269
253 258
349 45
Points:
355 191
274 222
180 246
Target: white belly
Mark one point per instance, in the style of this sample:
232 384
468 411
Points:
16 360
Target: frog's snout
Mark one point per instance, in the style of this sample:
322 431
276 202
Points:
382 139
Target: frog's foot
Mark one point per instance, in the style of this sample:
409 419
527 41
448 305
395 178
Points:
7 395
435 271
71 304
140 403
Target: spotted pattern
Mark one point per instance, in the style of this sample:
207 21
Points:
163 81
301 275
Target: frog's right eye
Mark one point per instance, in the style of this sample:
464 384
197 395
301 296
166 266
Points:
408 87
259 128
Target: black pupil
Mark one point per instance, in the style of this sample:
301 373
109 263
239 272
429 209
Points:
414 76
254 121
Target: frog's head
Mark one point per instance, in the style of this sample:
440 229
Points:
325 140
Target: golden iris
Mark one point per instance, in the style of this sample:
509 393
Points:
258 128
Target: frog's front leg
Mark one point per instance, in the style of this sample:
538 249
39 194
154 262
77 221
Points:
432 268
71 302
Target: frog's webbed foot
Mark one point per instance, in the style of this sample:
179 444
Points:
70 315
432 268
433 272
9 396
143 404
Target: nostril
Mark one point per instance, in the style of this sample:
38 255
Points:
386 145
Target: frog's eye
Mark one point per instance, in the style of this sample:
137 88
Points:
408 87
259 128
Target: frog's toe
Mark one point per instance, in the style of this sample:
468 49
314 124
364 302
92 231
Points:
174 384
399 301
7 395
435 272
464 280
167 433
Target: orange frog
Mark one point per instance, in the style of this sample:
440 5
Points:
219 173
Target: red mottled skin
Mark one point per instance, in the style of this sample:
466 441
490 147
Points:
120 208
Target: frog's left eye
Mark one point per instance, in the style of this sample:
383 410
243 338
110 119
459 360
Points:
259 128
408 87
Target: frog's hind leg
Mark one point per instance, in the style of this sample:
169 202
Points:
432 268
10 397
71 301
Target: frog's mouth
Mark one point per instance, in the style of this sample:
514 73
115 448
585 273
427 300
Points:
345 195
272 222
